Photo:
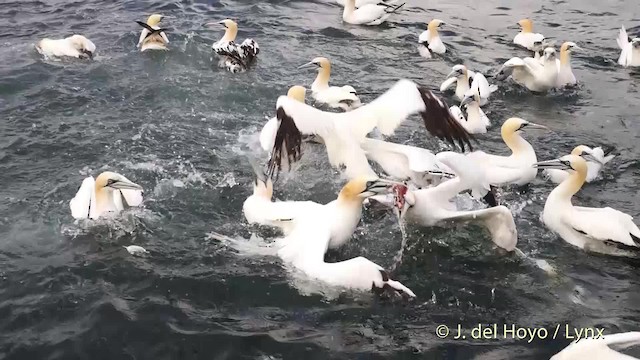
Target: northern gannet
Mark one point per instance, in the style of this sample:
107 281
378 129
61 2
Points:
368 14
152 36
342 133
597 159
316 228
513 169
630 54
76 46
535 75
599 347
360 3
344 97
434 206
584 227
269 130
466 80
136 250
430 41
526 37
233 57
104 194
476 121
565 74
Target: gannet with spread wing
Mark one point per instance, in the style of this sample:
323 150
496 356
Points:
233 57
109 192
466 80
630 54
535 74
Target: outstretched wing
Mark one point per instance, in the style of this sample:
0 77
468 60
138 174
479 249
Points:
498 220
81 204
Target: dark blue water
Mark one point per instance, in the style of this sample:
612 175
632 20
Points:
181 127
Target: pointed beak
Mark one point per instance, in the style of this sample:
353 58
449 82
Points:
576 47
125 185
381 185
551 164
466 100
306 65
536 126
216 23
454 73
88 53
591 158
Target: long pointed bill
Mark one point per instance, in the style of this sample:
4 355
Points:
536 126
466 100
382 185
552 164
454 73
591 158
125 185
306 65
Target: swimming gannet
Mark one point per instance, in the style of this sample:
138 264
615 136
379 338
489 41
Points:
76 46
269 130
434 206
476 121
316 228
233 57
584 227
344 97
513 169
430 41
465 80
565 74
104 194
342 133
597 159
360 3
630 54
535 75
597 347
526 37
368 14
152 36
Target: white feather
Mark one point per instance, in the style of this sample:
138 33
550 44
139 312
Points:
600 347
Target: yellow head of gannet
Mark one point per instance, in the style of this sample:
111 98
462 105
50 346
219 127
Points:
324 70
297 92
575 165
358 189
526 25
433 27
565 52
511 130
154 19
109 181
459 70
231 30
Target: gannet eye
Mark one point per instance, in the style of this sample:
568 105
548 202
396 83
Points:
566 163
111 182
369 184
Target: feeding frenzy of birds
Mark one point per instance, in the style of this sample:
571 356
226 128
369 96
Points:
419 184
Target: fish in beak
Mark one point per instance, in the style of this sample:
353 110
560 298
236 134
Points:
375 187
557 164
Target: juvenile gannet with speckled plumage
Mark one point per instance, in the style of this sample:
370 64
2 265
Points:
368 14
536 75
152 36
269 130
630 54
76 46
565 74
343 97
430 41
596 159
104 194
324 226
513 169
233 57
434 206
465 80
526 37
476 121
343 133
599 347
584 227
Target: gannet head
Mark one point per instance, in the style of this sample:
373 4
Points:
526 25
568 162
569 47
458 71
231 29
113 181
470 97
586 153
297 93
549 54
154 19
361 188
435 24
319 63
635 42
84 45
517 125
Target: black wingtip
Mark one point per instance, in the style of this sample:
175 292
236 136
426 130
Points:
609 150
441 123
635 239
288 143
385 276
490 198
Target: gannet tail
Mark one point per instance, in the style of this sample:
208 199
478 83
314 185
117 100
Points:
390 9
151 30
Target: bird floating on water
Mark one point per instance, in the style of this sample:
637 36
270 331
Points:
534 74
513 169
597 159
433 206
342 133
368 14
109 192
136 250
594 229
598 347
76 46
565 74
430 41
360 3
476 121
526 37
233 57
630 54
344 97
466 79
152 36
269 130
